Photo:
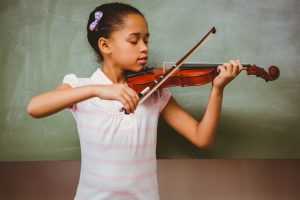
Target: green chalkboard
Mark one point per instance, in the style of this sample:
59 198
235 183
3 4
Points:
42 40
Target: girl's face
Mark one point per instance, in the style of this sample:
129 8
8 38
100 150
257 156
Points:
129 45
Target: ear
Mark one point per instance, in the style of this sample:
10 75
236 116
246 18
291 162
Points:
104 45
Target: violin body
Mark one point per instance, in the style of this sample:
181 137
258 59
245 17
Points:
189 75
182 77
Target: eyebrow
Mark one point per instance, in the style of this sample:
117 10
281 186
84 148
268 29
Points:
139 34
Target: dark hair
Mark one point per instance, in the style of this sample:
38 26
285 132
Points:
112 20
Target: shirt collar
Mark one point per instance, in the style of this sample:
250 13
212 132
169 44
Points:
99 77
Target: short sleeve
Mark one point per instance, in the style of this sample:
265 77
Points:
165 96
71 79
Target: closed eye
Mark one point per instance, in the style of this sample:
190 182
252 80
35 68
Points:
135 37
146 41
133 42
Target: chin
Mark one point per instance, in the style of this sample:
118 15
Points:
137 68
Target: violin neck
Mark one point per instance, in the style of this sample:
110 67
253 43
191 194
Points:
201 66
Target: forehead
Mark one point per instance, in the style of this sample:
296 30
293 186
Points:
133 23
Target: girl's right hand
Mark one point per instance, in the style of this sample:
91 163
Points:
121 92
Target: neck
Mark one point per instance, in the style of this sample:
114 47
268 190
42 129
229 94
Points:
114 73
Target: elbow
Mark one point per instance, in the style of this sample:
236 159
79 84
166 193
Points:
205 138
31 110
205 144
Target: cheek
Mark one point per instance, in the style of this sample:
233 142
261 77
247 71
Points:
126 51
125 47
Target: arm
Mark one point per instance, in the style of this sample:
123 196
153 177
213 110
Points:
62 97
65 96
202 132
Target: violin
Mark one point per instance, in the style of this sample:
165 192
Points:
190 75
149 80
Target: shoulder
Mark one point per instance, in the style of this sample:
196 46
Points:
74 81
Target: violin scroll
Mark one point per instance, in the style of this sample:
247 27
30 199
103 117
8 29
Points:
272 74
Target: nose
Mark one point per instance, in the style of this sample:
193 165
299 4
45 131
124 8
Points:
144 47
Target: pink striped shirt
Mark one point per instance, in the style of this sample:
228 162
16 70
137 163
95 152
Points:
118 151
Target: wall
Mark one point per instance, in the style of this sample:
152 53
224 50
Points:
44 40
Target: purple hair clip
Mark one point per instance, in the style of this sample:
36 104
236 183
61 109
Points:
98 16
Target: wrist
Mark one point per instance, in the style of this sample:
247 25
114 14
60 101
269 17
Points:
94 90
218 89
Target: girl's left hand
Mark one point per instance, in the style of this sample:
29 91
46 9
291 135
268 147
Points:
227 72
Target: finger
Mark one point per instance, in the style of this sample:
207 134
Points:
128 95
221 69
225 65
228 67
125 104
129 101
240 66
235 67
133 95
125 99
131 91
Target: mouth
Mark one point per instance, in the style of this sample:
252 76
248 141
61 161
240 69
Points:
142 60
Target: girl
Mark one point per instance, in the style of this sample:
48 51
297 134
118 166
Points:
118 151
